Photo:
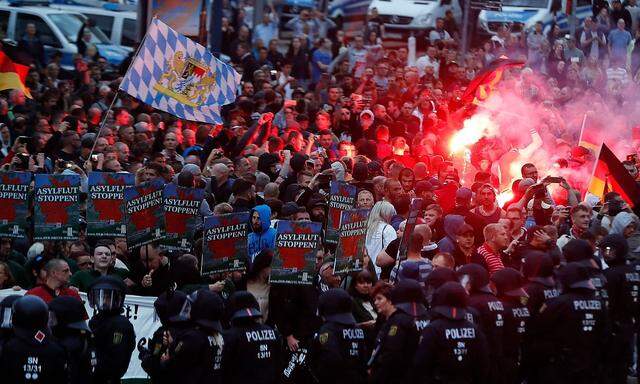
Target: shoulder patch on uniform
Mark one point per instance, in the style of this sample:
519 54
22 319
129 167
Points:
393 330
39 336
117 337
323 338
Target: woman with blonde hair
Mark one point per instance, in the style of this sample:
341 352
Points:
379 231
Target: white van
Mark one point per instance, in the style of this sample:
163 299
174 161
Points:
119 26
524 14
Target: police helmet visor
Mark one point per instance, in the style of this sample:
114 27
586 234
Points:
246 313
586 284
185 311
6 317
105 299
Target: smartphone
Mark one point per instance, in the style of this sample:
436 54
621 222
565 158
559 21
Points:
94 157
274 75
553 180
24 160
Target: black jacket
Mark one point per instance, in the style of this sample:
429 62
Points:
115 340
338 355
397 340
18 365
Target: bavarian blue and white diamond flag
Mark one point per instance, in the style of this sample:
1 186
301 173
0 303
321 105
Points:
174 74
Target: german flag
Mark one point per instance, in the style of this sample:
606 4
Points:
611 176
481 87
13 75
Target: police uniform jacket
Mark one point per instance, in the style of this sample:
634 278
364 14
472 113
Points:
33 358
395 344
115 340
338 354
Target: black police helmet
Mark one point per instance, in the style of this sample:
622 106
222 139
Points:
575 275
577 250
450 301
206 309
335 305
407 296
509 282
477 275
6 310
106 294
30 313
619 248
172 307
244 305
538 266
439 276
68 312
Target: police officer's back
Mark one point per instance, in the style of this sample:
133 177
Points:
31 355
114 336
581 252
398 338
451 349
571 331
489 310
508 283
67 319
252 351
338 352
537 268
623 287
206 311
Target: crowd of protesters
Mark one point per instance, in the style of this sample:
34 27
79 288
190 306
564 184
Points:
338 108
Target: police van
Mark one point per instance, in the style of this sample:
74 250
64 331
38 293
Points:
401 18
119 25
521 15
57 30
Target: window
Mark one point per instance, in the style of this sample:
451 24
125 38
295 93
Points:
105 23
4 23
46 35
70 24
129 35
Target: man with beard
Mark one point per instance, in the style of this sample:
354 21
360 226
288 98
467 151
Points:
317 208
244 194
262 236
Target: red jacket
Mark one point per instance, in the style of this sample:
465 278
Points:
47 294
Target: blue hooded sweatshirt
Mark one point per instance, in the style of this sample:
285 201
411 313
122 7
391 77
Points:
266 237
452 224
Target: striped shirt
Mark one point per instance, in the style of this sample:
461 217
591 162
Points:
424 269
491 258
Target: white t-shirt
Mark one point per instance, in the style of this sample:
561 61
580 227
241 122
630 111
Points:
378 241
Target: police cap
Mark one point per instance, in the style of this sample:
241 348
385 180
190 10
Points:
335 305
68 312
407 296
477 275
450 301
206 309
244 305
509 282
575 275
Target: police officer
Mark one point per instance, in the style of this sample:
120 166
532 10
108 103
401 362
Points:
338 351
508 283
114 336
398 338
537 268
6 328
206 312
32 355
168 307
68 325
451 349
571 331
252 351
580 251
623 286
490 313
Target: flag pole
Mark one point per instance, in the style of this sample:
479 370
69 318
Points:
104 118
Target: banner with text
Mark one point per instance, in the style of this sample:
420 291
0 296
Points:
341 198
57 207
182 216
297 243
14 200
350 251
144 213
140 312
105 203
225 243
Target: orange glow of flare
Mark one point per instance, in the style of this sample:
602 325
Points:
504 197
472 131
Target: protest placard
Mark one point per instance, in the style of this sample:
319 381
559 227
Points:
56 207
350 251
105 203
224 246
14 200
182 216
341 198
144 213
297 243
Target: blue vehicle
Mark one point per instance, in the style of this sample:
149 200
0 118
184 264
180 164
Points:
521 15
57 29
